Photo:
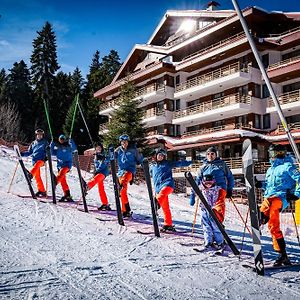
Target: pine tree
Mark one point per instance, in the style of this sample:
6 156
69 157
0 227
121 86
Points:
3 86
110 66
127 119
20 93
44 66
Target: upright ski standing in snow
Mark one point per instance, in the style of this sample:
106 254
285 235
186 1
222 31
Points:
249 180
150 192
111 151
17 150
196 189
76 161
52 176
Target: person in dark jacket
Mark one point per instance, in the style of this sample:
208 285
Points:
63 151
161 172
216 167
37 150
127 157
101 163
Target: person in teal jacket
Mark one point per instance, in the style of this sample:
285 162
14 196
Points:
127 157
161 172
63 150
281 186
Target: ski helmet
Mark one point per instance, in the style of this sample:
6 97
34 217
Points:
39 131
62 137
161 151
277 150
208 179
211 150
124 137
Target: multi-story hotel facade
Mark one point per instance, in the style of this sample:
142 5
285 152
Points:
199 84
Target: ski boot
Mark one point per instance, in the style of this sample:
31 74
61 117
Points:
67 197
127 213
168 228
282 258
104 207
41 194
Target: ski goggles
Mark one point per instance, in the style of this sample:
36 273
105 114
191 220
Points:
275 153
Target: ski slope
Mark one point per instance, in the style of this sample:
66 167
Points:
59 252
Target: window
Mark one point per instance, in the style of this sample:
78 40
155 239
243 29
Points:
177 104
160 129
265 91
257 121
291 87
266 121
265 60
243 90
257 91
177 79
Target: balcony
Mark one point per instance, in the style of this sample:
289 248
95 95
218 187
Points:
153 93
107 107
284 70
292 127
229 76
288 101
204 131
103 128
225 107
155 117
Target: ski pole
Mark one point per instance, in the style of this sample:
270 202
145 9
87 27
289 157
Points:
74 114
195 214
47 117
245 223
46 180
297 232
13 177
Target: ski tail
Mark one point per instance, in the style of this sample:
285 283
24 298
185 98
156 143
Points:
150 192
196 189
76 160
21 162
116 185
52 176
249 180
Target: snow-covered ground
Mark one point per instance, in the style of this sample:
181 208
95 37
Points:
59 252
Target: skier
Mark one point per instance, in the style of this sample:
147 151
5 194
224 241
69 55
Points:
219 170
281 185
161 172
101 171
63 151
213 237
37 150
127 157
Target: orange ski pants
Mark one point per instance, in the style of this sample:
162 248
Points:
163 200
123 181
61 178
36 173
271 208
98 179
219 208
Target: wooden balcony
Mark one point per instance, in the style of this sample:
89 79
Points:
110 105
286 98
292 127
148 89
204 131
213 104
211 76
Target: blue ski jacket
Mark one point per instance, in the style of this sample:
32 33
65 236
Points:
127 160
101 163
37 150
220 171
282 178
161 172
63 152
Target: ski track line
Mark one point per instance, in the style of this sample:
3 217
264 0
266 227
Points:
58 274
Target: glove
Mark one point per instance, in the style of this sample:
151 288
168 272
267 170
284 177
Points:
229 194
192 199
291 197
257 184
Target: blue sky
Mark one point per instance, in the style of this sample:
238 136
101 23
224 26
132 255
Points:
82 27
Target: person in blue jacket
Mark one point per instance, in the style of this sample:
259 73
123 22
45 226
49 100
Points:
101 163
37 150
161 172
127 157
281 186
63 150
223 176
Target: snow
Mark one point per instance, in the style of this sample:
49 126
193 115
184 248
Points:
58 252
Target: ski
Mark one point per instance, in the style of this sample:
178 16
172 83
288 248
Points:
196 189
247 160
52 176
25 171
294 266
76 161
116 185
152 201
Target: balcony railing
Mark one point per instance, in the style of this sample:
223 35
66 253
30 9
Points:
149 89
283 62
103 127
216 74
291 126
215 46
204 131
154 112
213 104
110 104
283 33
286 98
